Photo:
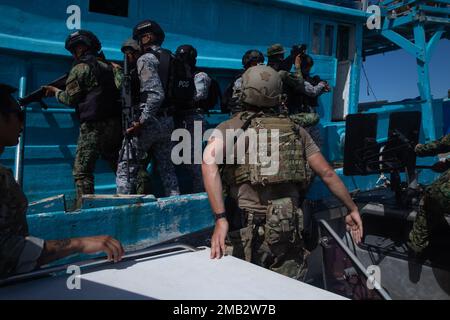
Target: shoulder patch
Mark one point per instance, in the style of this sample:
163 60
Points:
73 88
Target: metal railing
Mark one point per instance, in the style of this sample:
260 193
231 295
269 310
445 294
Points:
356 262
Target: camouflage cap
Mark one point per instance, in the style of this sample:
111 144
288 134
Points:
7 102
275 49
130 43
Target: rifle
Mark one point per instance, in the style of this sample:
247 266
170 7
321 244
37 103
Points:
296 50
128 115
38 95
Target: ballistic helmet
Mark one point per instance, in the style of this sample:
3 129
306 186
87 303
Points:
149 26
8 104
83 37
187 53
261 87
251 56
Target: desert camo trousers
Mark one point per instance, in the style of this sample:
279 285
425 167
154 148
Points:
274 241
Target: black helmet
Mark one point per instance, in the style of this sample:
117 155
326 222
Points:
147 26
251 56
84 37
187 53
8 104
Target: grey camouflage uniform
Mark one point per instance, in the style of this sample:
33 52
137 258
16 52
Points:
19 252
155 137
202 83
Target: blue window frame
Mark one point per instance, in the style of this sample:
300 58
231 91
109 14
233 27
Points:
323 38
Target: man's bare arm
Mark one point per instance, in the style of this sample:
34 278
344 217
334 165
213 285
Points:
213 186
323 169
58 249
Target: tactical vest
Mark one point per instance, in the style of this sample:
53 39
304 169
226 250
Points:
177 79
292 159
103 101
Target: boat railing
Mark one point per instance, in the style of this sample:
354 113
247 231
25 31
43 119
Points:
98 262
356 262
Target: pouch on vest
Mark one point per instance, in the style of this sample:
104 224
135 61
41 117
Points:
239 243
290 167
281 222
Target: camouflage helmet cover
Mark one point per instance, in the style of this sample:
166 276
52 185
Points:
262 87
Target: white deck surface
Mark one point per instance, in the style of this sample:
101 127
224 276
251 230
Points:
180 276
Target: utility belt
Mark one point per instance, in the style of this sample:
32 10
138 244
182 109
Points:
281 218
279 228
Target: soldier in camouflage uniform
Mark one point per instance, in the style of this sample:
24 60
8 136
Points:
298 89
192 112
152 132
262 221
19 251
230 98
435 203
132 51
92 87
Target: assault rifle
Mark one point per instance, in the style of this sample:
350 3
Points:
128 115
297 50
39 95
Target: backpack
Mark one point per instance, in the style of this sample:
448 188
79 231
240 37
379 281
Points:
227 103
181 85
214 96
177 79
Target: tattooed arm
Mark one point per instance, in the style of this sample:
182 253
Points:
58 249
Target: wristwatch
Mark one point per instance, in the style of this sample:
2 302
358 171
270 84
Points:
218 216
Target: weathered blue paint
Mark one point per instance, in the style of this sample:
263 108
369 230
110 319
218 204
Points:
32 48
136 225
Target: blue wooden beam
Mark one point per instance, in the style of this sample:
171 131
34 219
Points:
404 43
432 43
428 120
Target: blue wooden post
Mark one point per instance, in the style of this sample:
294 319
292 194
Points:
424 82
422 51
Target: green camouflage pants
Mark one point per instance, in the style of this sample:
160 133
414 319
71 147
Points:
97 139
430 220
272 242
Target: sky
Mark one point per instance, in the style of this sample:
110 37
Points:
393 76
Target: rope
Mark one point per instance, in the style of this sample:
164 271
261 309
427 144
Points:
369 87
